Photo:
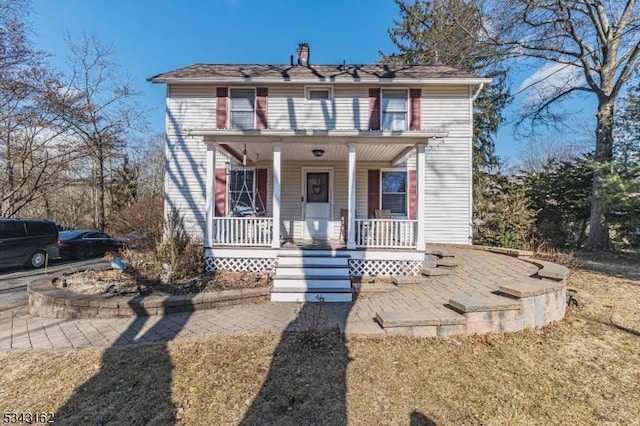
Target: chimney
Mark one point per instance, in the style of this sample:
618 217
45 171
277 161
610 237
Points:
303 54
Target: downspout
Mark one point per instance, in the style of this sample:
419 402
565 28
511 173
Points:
473 99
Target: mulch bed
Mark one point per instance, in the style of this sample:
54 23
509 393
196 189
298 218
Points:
133 282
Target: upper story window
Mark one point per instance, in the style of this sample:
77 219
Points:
242 108
319 93
394 110
393 194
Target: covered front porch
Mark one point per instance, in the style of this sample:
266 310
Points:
318 187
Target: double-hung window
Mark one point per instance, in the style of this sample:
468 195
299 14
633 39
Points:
393 194
242 108
394 110
242 192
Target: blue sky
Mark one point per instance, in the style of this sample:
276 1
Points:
151 37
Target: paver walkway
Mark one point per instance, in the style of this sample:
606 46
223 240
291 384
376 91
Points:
478 272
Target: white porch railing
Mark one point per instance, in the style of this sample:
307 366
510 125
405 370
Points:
243 231
386 233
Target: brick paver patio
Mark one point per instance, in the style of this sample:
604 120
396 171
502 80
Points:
478 272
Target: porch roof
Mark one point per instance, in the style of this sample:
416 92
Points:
298 145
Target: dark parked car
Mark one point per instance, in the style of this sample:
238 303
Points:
27 242
82 244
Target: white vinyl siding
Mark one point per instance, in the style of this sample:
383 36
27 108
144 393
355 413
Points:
289 108
448 168
448 161
188 107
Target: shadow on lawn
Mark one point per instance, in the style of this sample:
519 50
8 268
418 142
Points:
306 383
133 386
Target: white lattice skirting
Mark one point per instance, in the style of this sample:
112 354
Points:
237 264
357 267
375 267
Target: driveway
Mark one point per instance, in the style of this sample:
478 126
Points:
13 281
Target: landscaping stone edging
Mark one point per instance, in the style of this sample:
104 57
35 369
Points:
47 301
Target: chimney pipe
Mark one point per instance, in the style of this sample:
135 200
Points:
291 60
303 54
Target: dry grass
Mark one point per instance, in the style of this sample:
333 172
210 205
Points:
583 370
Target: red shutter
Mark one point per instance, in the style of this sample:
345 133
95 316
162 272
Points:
221 107
373 193
261 190
414 96
261 108
221 192
374 109
413 194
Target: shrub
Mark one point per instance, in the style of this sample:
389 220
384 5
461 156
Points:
141 221
503 216
178 254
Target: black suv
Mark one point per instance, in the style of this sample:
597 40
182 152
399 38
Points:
27 242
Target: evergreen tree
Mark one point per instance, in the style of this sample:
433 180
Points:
124 185
447 32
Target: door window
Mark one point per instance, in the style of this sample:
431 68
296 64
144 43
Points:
318 187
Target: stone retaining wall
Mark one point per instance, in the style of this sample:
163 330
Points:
45 300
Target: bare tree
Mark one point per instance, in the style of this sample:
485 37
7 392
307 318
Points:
104 113
595 41
537 153
150 162
33 149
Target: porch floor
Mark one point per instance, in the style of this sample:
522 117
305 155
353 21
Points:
479 274
314 244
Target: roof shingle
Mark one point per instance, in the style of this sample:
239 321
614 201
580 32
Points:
228 72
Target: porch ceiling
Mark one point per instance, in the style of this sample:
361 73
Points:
393 147
303 151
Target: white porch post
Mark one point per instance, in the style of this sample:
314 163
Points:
210 196
351 225
420 199
277 180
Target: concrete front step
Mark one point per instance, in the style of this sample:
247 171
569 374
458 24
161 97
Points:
311 270
311 297
434 272
311 277
484 303
530 288
447 262
441 253
313 281
406 319
310 260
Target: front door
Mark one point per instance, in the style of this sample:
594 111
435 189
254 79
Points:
317 204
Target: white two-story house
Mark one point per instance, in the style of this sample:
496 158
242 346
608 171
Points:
368 162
